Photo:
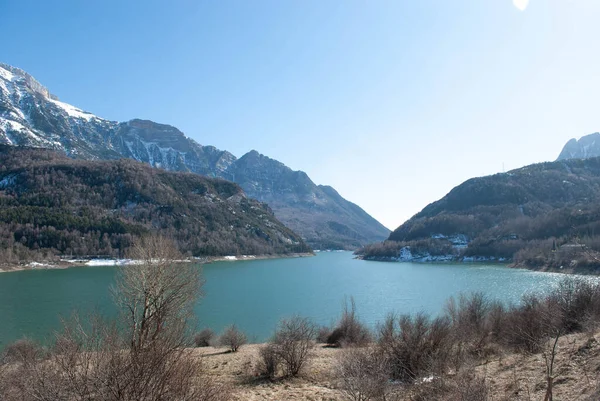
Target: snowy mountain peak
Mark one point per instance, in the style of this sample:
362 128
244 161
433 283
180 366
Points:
12 74
32 116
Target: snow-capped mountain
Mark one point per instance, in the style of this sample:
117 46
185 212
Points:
30 115
586 147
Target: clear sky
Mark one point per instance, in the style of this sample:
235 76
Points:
392 103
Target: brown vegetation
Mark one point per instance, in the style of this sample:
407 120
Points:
350 331
204 338
232 338
291 344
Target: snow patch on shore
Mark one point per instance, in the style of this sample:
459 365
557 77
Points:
111 262
36 265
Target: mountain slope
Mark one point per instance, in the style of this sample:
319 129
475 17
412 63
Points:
323 217
31 116
52 205
539 214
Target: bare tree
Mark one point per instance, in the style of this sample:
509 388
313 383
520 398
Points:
157 294
549 358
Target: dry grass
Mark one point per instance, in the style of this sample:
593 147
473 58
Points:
522 377
241 371
509 377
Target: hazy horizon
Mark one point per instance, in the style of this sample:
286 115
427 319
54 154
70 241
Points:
391 104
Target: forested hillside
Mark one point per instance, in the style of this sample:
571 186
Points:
52 206
544 214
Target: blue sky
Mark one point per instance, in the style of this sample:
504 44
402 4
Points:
393 103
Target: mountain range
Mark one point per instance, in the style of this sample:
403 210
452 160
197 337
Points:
30 115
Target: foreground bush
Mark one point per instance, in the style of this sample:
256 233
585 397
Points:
416 346
363 374
289 349
292 343
269 360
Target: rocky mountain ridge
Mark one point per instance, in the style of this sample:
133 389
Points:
31 116
587 146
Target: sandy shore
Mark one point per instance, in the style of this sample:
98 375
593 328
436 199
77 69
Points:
65 264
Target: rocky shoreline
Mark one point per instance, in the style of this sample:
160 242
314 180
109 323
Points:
588 271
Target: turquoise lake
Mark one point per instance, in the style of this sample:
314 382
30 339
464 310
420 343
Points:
256 294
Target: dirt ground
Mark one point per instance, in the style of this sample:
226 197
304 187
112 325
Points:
240 370
576 371
509 376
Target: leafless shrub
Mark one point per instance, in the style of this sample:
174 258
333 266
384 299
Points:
292 343
20 351
16 362
232 338
269 361
363 374
323 334
350 330
204 338
469 312
526 327
416 345
496 321
577 302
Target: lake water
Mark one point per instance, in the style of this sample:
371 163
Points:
256 294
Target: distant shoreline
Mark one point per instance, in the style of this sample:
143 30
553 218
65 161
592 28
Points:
587 271
88 262
212 259
584 271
